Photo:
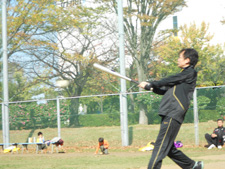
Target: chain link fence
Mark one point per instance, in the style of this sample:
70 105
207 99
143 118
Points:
103 110
211 103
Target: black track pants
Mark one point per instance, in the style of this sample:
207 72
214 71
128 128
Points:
217 141
164 146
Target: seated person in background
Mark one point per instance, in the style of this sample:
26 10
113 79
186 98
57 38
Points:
41 140
216 138
103 145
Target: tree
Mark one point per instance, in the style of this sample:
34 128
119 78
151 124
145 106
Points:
141 20
56 42
21 88
211 58
28 21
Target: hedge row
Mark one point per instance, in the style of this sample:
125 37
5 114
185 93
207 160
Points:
206 115
94 120
113 119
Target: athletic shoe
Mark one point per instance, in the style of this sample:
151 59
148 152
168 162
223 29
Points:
219 147
211 146
198 165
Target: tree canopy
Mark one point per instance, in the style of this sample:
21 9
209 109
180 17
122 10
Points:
211 57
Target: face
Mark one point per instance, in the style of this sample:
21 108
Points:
182 62
220 123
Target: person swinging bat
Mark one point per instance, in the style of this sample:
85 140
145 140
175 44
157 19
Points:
177 90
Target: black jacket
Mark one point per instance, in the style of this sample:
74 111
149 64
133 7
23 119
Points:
177 90
220 132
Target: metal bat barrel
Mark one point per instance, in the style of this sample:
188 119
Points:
102 68
134 81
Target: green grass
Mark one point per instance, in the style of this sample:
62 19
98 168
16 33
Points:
80 144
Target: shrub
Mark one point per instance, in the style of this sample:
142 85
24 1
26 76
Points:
33 115
206 115
113 119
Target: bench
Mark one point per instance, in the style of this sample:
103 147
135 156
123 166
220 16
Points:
25 145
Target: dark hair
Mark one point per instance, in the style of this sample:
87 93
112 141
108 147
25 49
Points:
100 139
192 54
219 120
40 133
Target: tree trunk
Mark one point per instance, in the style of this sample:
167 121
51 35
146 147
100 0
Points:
74 106
143 119
132 104
101 105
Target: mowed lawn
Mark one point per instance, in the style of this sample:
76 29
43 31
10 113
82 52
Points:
80 144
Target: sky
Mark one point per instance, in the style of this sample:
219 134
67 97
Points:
210 11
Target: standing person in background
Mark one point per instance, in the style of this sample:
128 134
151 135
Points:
216 139
177 90
103 145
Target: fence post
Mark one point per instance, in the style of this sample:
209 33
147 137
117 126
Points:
5 74
58 117
196 117
3 125
123 97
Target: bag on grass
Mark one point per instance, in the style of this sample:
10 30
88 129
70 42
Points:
10 149
58 141
178 144
148 147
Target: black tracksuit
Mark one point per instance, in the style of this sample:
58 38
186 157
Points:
177 91
219 140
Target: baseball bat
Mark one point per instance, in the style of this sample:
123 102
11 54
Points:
104 69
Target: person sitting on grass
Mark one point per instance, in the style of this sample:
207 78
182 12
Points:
41 140
103 145
216 138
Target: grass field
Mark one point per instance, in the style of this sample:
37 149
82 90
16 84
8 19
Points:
80 144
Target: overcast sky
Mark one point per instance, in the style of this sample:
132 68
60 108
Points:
210 11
